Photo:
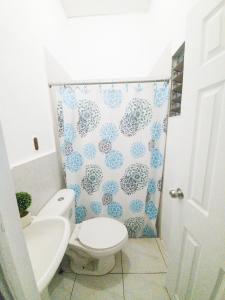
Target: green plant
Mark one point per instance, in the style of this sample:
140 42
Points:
23 201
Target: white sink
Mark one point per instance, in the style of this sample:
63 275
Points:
47 240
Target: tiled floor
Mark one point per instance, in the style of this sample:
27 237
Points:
139 274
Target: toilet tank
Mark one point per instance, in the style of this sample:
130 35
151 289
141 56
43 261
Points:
61 204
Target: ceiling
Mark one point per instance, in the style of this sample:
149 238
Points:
79 8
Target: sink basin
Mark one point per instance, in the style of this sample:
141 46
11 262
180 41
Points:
47 240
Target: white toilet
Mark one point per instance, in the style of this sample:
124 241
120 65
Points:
93 243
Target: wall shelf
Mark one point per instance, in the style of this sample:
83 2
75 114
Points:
177 82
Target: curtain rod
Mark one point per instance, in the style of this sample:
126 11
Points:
106 82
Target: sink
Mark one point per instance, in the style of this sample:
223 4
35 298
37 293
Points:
47 240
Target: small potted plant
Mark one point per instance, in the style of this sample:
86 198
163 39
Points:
24 201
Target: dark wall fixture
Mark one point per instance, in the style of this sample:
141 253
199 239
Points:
177 82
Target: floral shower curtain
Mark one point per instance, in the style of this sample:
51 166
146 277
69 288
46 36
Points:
112 140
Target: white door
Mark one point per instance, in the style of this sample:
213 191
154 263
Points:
197 247
14 258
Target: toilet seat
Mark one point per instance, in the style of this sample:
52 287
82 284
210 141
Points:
101 233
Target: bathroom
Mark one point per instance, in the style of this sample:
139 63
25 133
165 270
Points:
112 149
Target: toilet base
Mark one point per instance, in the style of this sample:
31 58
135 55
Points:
91 265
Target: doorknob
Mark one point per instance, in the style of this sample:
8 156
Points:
176 193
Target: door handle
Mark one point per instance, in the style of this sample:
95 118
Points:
178 193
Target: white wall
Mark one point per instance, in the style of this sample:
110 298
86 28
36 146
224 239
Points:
104 47
25 26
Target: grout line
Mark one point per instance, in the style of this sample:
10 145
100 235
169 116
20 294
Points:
73 286
136 273
69 272
117 273
122 274
161 253
165 264
153 273
167 293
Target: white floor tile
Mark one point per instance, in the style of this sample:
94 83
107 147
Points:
107 287
142 256
144 287
61 286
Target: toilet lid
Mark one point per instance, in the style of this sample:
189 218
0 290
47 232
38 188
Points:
101 233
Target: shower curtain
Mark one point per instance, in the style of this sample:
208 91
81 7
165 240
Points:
112 139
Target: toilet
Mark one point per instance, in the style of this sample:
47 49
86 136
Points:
94 242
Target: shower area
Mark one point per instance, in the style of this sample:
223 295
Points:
112 141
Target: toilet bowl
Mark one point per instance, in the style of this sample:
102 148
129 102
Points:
94 242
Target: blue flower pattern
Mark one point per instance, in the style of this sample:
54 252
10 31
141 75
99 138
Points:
112 97
110 187
115 210
114 160
149 232
151 186
136 206
138 150
69 133
89 151
156 158
96 207
109 132
161 94
81 213
156 131
151 210
68 97
74 162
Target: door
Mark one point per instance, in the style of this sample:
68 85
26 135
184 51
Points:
197 246
14 258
